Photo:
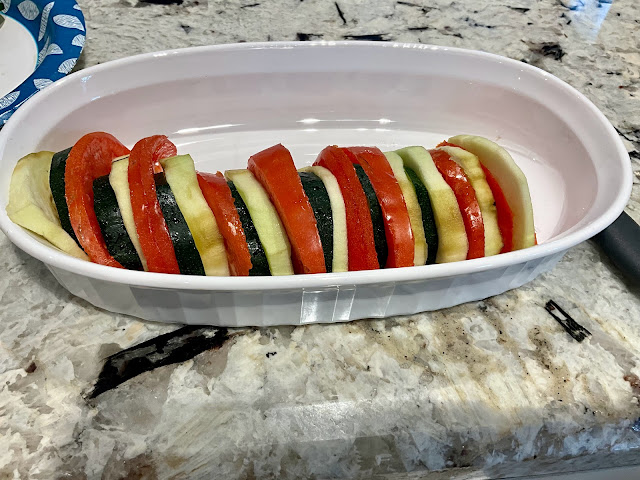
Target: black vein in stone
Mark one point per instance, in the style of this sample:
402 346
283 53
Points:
163 2
174 347
304 37
520 9
340 14
377 37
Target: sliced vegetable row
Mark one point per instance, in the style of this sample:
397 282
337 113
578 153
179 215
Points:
356 208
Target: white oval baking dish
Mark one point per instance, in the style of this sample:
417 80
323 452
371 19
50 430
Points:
223 103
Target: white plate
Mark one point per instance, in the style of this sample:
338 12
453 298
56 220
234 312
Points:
223 103
19 61
40 41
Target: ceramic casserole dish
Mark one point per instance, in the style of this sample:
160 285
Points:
224 103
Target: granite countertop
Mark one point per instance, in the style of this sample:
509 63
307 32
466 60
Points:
491 388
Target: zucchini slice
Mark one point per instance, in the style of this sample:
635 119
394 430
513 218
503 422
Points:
340 262
471 166
452 236
180 172
189 261
112 226
266 220
427 217
511 180
259 263
119 180
415 214
31 203
57 184
320 203
379 235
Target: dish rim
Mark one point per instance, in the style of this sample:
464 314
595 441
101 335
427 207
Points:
47 69
60 260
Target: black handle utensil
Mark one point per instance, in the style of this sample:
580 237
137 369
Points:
620 241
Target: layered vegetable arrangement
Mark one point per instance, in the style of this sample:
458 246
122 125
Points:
356 208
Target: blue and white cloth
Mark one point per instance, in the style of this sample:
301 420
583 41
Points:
58 27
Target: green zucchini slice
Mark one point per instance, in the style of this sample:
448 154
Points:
180 173
57 184
428 220
31 204
422 247
340 261
379 235
320 203
112 226
266 220
259 263
452 236
119 180
187 254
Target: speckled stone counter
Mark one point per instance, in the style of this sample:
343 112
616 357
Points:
487 389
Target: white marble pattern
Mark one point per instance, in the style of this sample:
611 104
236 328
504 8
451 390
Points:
489 388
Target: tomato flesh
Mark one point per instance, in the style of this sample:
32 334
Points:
217 193
455 177
151 227
505 215
275 170
89 159
397 225
360 242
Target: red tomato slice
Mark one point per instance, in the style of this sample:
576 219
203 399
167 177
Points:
89 159
503 210
505 215
152 230
397 225
218 195
455 177
275 170
360 242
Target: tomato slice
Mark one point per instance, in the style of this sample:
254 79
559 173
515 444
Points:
275 170
397 225
455 177
89 159
152 230
360 242
444 143
505 215
217 193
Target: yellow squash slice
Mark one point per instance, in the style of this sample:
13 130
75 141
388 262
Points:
511 180
31 203
266 220
181 177
471 166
